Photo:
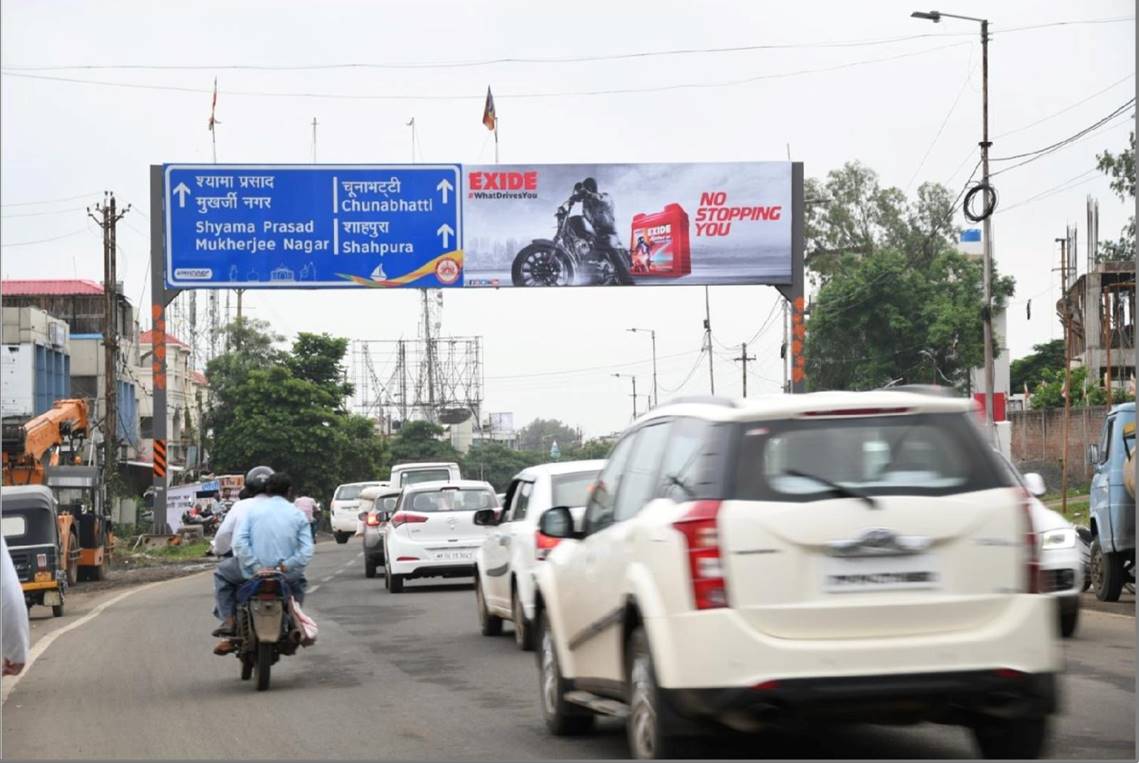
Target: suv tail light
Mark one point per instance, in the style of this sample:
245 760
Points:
1030 548
543 545
373 520
700 532
407 519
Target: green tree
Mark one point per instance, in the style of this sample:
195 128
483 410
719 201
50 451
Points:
1030 369
540 434
589 451
496 463
897 301
317 358
1049 392
1121 168
264 413
420 441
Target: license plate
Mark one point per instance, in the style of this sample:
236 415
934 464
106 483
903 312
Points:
882 573
453 556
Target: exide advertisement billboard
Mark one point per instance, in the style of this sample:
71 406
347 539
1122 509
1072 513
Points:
627 224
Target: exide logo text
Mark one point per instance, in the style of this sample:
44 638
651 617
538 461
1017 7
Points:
503 181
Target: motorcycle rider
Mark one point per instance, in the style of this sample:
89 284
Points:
227 575
598 210
276 536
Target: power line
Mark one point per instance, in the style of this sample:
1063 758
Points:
46 240
68 211
944 122
1066 185
556 60
51 201
1051 147
1066 109
518 96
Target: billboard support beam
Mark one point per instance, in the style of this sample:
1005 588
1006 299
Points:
794 292
160 297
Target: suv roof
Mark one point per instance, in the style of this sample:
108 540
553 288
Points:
425 465
562 467
778 406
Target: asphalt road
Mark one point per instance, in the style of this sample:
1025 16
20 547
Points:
409 677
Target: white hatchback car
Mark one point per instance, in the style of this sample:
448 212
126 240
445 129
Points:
504 565
432 532
853 556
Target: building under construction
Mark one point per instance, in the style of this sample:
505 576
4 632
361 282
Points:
1101 306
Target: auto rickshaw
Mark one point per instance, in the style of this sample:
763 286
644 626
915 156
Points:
28 522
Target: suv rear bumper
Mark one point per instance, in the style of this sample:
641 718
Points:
952 697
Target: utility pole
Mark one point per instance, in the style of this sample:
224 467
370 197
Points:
987 209
708 339
107 218
743 360
655 399
314 123
1067 317
634 378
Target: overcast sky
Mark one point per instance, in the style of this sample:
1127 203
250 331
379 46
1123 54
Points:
913 118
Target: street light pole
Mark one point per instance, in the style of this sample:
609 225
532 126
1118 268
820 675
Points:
987 244
654 400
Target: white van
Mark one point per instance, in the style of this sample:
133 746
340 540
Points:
412 474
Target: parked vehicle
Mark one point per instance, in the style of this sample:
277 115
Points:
839 555
1112 504
1062 552
433 533
265 626
411 474
504 564
377 504
344 508
28 521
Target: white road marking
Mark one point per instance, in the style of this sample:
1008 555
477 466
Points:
325 580
9 682
313 589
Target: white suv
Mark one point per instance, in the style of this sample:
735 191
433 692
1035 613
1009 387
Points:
853 556
344 510
504 565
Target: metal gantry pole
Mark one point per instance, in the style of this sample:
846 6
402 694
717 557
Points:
656 397
158 301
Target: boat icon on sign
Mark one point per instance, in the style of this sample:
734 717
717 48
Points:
378 274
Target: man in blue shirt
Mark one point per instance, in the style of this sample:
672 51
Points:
275 535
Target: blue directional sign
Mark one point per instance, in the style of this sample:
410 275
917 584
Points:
313 226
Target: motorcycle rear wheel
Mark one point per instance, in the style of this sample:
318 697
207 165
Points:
264 662
553 267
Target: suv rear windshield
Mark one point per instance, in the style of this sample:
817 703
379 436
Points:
573 489
449 500
929 454
350 492
424 475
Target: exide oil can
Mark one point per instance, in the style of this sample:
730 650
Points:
659 244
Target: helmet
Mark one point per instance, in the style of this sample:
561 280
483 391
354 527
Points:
256 479
590 185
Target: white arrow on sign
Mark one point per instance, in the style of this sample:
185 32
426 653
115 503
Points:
444 188
181 191
445 231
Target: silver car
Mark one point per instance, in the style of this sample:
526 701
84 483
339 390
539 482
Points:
376 504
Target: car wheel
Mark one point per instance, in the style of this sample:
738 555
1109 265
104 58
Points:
393 582
342 537
645 727
489 625
1068 620
523 631
1107 573
562 717
57 610
369 566
1014 738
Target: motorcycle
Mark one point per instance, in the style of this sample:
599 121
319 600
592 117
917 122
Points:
207 518
265 626
572 257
